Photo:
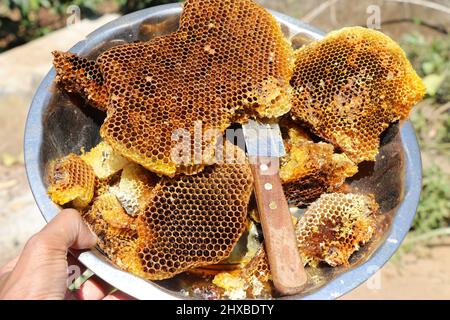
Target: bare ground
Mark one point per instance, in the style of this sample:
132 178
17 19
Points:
421 274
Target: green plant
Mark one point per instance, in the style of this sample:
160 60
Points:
434 210
431 120
431 59
127 6
28 8
25 20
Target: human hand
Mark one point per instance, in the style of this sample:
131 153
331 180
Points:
41 270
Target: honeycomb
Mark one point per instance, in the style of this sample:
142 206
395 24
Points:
70 179
258 267
252 281
81 76
178 224
226 57
243 252
102 186
350 86
334 226
111 211
104 160
116 232
228 62
292 133
194 221
310 169
134 189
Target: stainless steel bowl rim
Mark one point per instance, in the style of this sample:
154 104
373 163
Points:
142 289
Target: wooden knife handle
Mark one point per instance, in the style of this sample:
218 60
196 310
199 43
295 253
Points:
288 274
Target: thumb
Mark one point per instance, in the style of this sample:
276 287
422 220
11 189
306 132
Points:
41 271
67 230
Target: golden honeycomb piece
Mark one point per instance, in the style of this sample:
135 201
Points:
102 186
310 169
334 227
115 232
70 179
110 210
134 189
252 281
226 56
349 86
258 268
104 160
295 134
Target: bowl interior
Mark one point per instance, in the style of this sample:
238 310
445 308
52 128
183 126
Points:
60 123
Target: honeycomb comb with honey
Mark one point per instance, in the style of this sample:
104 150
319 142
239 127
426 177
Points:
335 226
226 56
228 62
349 86
70 179
310 169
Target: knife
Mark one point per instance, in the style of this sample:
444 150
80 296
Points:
264 149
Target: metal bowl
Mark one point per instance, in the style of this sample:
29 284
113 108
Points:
59 123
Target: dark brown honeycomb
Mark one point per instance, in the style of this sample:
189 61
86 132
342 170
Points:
194 221
350 86
310 169
334 226
70 179
227 56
